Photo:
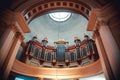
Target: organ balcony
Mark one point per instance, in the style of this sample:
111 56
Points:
80 54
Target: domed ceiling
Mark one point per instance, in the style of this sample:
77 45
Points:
46 26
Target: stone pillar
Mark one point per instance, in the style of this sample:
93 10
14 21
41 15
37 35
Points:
111 48
103 57
12 55
5 43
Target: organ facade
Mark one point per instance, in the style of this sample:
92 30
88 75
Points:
61 55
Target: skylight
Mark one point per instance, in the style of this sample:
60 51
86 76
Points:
60 16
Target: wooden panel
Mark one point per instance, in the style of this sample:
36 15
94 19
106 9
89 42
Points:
89 70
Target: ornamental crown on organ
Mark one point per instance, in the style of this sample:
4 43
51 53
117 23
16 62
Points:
80 54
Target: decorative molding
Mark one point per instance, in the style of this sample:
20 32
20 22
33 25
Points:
95 34
100 17
85 71
37 9
92 20
19 35
103 23
15 19
61 41
13 27
22 22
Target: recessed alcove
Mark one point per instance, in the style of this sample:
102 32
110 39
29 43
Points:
59 39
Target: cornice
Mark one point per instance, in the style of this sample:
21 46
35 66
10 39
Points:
21 21
15 19
100 17
27 7
32 9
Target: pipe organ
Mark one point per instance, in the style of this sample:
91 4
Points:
40 54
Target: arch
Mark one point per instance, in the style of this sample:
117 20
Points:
40 7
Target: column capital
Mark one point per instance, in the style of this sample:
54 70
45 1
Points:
13 27
11 16
100 23
19 36
96 34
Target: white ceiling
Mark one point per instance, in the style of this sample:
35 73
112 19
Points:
44 26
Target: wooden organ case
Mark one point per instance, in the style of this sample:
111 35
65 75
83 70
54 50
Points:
62 56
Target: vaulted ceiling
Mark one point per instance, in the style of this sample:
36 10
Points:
44 26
